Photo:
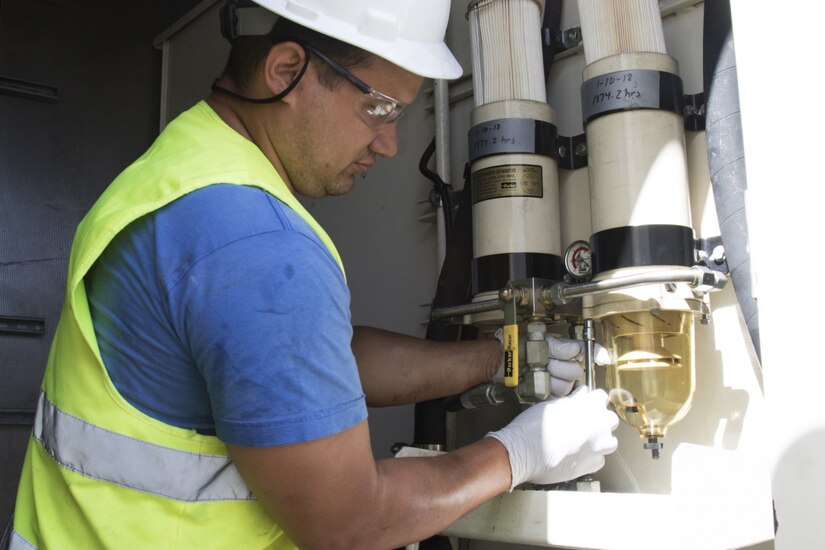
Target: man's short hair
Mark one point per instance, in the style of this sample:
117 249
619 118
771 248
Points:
248 53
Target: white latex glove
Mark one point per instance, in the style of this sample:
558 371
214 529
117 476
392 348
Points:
559 440
566 362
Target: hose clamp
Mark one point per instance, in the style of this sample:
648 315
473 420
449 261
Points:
631 90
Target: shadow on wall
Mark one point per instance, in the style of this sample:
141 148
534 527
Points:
719 409
799 493
728 382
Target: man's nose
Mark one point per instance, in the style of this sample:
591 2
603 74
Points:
385 142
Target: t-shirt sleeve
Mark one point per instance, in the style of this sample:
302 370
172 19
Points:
267 321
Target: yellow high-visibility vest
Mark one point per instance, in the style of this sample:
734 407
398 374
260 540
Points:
98 472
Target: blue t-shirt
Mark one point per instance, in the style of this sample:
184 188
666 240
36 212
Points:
225 313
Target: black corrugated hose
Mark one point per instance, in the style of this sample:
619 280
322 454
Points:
726 155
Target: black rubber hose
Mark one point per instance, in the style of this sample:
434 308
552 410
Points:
453 288
726 155
440 186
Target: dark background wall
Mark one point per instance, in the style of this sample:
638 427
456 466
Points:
55 160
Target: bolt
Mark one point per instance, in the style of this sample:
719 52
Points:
562 151
506 295
718 254
435 197
581 149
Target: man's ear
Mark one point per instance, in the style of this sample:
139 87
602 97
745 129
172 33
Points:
282 66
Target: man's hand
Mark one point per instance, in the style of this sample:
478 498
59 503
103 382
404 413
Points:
566 362
559 440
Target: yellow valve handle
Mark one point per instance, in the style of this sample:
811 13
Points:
510 344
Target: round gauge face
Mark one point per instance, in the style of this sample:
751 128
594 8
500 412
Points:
577 259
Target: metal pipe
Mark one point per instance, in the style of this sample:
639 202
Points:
441 105
443 313
696 277
588 334
486 395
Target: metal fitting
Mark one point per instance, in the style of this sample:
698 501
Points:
708 280
480 396
537 350
536 331
588 484
534 386
537 353
555 294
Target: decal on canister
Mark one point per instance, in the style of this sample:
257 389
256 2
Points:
512 180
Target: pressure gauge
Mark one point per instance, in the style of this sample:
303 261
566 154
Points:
577 259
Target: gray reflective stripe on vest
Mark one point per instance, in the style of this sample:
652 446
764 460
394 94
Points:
19 543
101 454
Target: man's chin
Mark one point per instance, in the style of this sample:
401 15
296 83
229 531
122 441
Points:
342 187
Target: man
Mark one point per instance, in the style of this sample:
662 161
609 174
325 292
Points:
205 387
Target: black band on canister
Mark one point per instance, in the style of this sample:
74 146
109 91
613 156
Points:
631 90
492 272
642 245
512 135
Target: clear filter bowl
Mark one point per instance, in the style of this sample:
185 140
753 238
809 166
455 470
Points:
651 378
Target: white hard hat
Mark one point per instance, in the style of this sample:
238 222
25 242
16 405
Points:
408 33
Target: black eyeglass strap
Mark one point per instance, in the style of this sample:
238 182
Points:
362 86
273 99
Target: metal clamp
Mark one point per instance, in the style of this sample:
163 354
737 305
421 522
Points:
694 111
512 135
711 253
562 40
571 152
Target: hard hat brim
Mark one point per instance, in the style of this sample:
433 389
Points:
426 59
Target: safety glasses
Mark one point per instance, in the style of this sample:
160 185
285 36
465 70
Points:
374 108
